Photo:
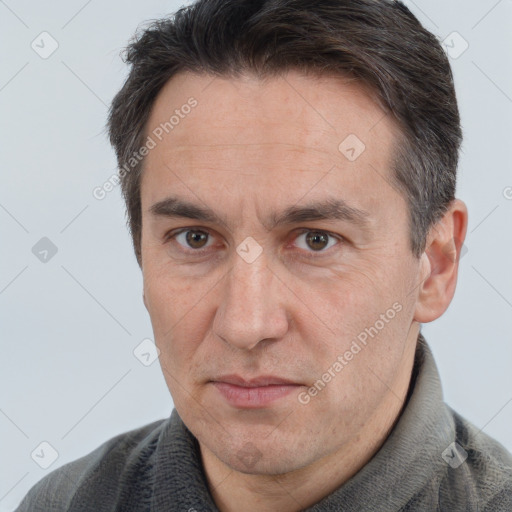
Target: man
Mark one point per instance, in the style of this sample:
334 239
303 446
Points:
289 170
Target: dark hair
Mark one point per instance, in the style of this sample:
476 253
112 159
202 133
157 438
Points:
380 43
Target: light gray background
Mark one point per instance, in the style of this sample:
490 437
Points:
70 325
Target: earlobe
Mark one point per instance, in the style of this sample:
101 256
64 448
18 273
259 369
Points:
440 262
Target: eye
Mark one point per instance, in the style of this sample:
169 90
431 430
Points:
317 241
194 239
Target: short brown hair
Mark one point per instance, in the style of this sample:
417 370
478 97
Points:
378 42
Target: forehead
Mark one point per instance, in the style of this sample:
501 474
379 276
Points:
286 135
299 109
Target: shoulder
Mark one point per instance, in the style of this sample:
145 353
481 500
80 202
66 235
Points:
118 462
483 472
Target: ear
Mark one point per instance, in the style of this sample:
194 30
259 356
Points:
440 262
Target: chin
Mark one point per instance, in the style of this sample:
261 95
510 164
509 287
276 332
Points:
259 459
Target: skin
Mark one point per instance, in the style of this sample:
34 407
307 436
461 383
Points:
250 147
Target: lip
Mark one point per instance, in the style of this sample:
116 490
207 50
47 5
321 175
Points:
255 382
253 393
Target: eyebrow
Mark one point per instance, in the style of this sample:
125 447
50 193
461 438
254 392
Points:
328 209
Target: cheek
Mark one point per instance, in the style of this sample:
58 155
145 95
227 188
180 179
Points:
344 303
363 317
169 296
179 312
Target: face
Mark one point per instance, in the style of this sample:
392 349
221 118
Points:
276 262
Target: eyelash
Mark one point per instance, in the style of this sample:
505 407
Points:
308 254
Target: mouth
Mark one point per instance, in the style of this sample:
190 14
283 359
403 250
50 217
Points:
258 392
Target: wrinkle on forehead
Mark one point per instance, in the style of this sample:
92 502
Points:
254 156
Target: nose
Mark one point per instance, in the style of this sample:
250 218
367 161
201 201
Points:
252 305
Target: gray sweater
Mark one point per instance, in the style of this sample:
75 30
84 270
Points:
158 467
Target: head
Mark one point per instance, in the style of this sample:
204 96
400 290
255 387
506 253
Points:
289 171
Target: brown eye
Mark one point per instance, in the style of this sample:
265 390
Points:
196 239
316 240
311 241
190 241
